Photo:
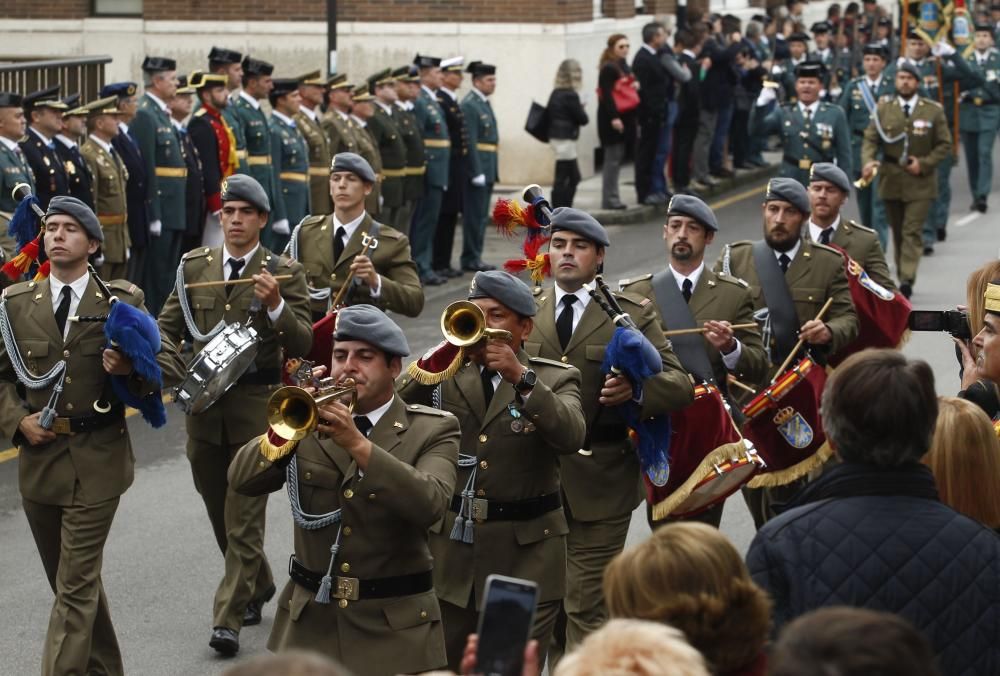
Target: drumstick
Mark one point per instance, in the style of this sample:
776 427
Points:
685 332
241 280
743 386
798 345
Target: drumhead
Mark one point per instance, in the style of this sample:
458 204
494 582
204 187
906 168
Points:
217 368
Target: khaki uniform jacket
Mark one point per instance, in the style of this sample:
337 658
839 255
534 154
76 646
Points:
320 159
608 483
88 467
385 517
720 298
391 146
109 180
512 466
814 275
929 142
401 291
862 245
238 415
341 132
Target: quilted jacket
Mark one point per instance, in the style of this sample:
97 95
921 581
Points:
878 538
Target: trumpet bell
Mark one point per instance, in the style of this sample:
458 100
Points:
464 324
293 413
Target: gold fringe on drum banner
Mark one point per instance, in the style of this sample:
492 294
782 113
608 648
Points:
274 447
796 471
664 508
425 377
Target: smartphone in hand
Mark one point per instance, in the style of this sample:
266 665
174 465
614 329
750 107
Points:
505 625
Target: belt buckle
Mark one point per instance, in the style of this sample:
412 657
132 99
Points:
480 509
347 588
978 100
805 164
62 426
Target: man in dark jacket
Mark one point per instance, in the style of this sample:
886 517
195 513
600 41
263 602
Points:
688 106
654 88
872 532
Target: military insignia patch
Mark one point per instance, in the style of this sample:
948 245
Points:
793 427
659 473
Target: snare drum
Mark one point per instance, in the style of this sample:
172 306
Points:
217 368
709 459
783 422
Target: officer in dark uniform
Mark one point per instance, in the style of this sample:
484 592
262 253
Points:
289 163
253 122
407 83
74 131
437 150
194 188
798 45
13 166
214 140
43 110
481 130
451 203
384 126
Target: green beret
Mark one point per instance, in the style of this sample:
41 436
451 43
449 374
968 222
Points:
240 187
78 211
505 288
370 325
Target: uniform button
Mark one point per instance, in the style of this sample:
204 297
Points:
810 297
260 464
65 353
69 406
342 603
371 496
484 465
345 568
69 381
348 494
228 307
483 438
564 359
423 614
309 475
480 492
546 531
347 530
333 278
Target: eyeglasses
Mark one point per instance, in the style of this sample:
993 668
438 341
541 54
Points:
625 46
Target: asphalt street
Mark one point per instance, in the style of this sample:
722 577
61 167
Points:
161 563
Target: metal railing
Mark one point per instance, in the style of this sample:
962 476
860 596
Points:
84 74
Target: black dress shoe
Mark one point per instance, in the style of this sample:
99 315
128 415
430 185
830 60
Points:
479 267
225 641
252 614
431 279
906 289
722 173
614 207
448 272
928 250
981 205
942 234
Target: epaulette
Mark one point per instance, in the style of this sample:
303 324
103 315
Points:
863 228
933 102
633 298
829 249
200 252
632 280
124 286
18 289
429 410
200 112
387 232
729 279
548 362
313 220
742 242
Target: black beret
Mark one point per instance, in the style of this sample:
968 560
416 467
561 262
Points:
797 37
254 67
821 27
788 190
355 164
810 69
504 288
580 222
828 171
283 86
479 69
689 205
240 187
119 89
10 100
370 325
980 27
223 55
907 66
158 64
426 61
877 49
78 211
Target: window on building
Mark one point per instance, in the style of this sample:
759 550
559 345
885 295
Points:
117 7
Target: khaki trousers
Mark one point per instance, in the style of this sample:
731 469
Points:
70 541
906 220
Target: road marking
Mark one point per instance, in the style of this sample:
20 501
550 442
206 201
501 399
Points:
965 220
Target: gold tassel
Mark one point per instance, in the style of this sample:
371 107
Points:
786 476
669 504
427 378
275 453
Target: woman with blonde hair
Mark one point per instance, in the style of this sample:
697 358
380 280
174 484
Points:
965 461
633 648
566 116
688 575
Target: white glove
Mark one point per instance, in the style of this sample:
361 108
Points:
836 92
777 70
281 227
479 180
942 48
767 94
128 254
381 201
156 228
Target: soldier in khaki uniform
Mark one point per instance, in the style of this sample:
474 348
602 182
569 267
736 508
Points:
518 415
330 249
907 181
336 122
110 178
73 473
407 84
214 436
811 273
601 490
312 90
370 488
362 110
384 126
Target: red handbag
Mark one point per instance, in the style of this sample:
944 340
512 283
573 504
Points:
625 95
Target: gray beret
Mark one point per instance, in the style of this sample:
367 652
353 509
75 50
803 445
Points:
580 222
505 288
828 171
80 212
788 190
240 187
688 205
355 164
907 66
370 325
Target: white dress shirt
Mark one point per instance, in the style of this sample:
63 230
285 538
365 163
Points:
386 108
77 287
66 141
812 108
309 112
226 270
911 102
45 139
284 118
11 145
582 298
249 99
157 101
349 229
815 231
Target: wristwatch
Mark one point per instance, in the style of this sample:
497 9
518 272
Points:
527 381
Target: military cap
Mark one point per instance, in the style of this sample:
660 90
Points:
246 188
797 37
223 55
788 190
830 172
361 94
311 78
370 325
505 288
453 65
355 164
382 77
43 98
119 89
407 73
158 64
762 19
479 69
980 27
76 109
913 35
580 222
78 211
821 27
810 69
10 100
426 61
184 86
995 7
992 297
689 205
338 81
202 80
907 66
885 21
72 101
256 67
106 106
877 49
283 86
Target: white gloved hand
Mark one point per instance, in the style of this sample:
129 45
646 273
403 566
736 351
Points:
281 227
835 92
156 228
479 180
777 70
128 254
942 48
767 94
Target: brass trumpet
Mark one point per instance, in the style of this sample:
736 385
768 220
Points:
293 413
464 324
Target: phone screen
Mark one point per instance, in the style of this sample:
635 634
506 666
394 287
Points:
505 625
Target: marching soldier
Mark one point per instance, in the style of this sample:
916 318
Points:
518 416
331 249
811 130
913 139
979 116
43 111
194 188
257 86
110 185
437 150
362 110
215 142
371 486
483 136
824 54
74 131
289 162
229 64
407 83
858 101
312 91
337 122
166 177
798 49
73 469
601 490
458 168
792 278
14 167
385 129
279 313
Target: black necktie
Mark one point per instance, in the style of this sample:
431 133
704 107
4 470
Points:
824 237
686 290
338 243
564 323
62 312
487 377
235 265
784 261
363 424
906 109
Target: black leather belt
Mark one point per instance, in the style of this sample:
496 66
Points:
353 589
261 377
609 433
521 510
89 423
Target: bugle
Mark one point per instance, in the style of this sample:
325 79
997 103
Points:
293 412
463 324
